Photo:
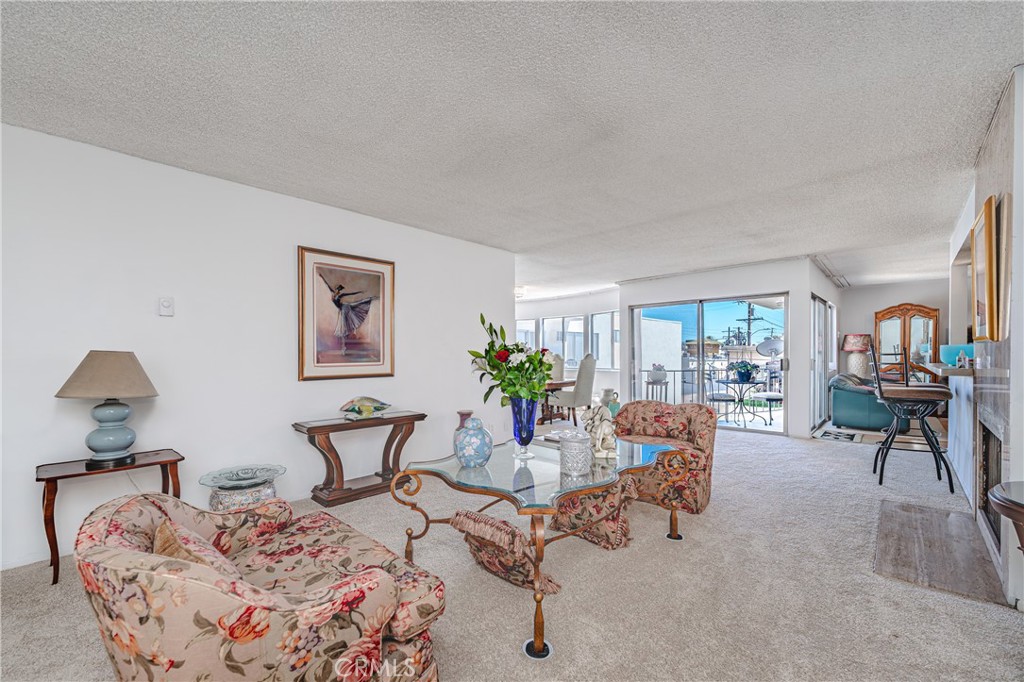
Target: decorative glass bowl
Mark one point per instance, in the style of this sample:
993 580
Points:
364 406
241 477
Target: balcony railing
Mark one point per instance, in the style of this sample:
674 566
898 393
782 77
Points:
684 384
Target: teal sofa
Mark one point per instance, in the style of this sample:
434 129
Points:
855 406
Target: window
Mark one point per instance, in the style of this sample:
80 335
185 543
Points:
564 335
526 332
604 339
551 335
573 341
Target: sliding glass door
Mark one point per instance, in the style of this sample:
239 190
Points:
824 349
700 351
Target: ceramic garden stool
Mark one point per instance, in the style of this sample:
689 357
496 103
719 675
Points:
241 486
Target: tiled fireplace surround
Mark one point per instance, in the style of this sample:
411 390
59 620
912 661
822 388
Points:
992 392
998 172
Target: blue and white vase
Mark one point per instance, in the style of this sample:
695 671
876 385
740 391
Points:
473 444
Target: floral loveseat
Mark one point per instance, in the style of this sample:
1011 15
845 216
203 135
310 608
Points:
280 599
681 477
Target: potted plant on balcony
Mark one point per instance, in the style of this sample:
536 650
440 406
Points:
657 373
745 371
520 373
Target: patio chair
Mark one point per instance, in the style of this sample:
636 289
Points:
716 397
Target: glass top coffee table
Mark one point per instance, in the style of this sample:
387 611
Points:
534 487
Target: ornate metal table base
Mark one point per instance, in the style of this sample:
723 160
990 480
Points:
410 484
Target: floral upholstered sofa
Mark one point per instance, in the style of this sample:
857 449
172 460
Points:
681 477
262 596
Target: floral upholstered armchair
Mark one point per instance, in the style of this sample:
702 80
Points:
252 595
681 477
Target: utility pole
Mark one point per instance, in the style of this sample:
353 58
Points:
750 319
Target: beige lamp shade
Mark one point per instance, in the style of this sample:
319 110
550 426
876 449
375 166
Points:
108 374
856 343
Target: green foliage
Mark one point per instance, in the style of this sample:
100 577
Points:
515 369
743 366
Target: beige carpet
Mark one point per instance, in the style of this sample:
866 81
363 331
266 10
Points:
773 581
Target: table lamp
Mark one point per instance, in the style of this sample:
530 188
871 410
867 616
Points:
101 375
857 345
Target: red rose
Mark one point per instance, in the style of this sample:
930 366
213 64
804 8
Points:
502 355
543 351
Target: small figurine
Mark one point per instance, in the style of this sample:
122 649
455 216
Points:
597 422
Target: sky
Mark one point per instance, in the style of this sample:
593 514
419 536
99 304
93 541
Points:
719 316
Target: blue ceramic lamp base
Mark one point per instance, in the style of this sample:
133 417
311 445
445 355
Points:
110 442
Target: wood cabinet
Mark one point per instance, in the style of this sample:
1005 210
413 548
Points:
911 326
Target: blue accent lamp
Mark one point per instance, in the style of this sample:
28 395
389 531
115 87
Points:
109 375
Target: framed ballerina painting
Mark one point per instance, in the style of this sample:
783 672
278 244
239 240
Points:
346 316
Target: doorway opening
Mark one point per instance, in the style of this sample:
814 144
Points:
726 353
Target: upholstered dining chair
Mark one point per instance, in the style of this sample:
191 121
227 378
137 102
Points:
681 476
581 394
557 367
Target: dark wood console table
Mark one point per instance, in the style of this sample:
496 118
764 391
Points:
49 474
334 491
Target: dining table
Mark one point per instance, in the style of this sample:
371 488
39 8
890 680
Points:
547 412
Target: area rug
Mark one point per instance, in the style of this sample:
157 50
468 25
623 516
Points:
912 440
935 548
825 433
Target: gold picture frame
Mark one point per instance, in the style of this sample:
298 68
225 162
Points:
984 274
1004 251
346 316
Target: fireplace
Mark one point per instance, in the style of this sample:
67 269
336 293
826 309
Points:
990 473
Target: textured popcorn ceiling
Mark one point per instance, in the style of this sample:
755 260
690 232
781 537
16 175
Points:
600 142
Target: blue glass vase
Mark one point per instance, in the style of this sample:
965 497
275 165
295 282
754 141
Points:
524 419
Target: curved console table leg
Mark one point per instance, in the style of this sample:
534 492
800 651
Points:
332 489
49 498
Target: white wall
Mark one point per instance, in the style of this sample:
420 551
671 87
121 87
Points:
798 277
857 315
92 238
960 312
581 304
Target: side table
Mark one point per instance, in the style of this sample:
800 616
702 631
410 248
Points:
657 390
49 474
